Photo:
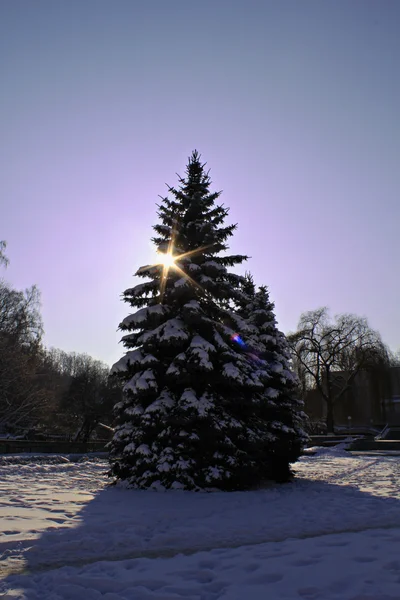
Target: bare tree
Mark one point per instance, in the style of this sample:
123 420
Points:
328 353
20 318
83 399
395 358
64 392
3 257
21 396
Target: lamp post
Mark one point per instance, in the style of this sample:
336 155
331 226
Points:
349 423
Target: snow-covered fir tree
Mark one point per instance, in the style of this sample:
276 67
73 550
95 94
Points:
266 344
195 409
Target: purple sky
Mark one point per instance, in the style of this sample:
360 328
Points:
293 105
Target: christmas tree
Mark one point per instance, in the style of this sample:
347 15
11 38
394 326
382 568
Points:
194 413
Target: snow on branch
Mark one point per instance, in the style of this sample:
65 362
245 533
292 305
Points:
143 381
143 315
141 289
170 331
132 358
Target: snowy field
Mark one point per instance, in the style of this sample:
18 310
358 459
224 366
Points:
334 533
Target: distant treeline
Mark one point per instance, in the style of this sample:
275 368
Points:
48 391
52 392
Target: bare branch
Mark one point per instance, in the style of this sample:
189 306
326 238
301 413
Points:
343 347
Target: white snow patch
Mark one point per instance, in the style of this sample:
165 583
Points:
202 404
142 381
143 449
271 393
200 342
173 370
214 265
173 329
193 305
232 372
182 282
162 403
142 315
331 534
132 357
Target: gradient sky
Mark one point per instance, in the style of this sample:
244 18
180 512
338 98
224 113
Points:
294 105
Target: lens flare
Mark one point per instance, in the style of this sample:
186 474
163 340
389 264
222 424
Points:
236 338
249 352
167 259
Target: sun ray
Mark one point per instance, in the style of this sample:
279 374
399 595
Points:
193 252
192 281
163 284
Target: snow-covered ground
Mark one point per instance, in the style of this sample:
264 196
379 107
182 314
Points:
334 533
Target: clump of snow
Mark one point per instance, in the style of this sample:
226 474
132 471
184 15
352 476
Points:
340 449
200 342
134 358
213 265
200 350
171 330
232 372
161 404
143 449
182 282
141 382
202 405
142 315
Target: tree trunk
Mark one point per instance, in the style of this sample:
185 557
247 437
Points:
329 401
330 423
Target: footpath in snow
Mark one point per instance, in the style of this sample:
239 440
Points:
334 533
